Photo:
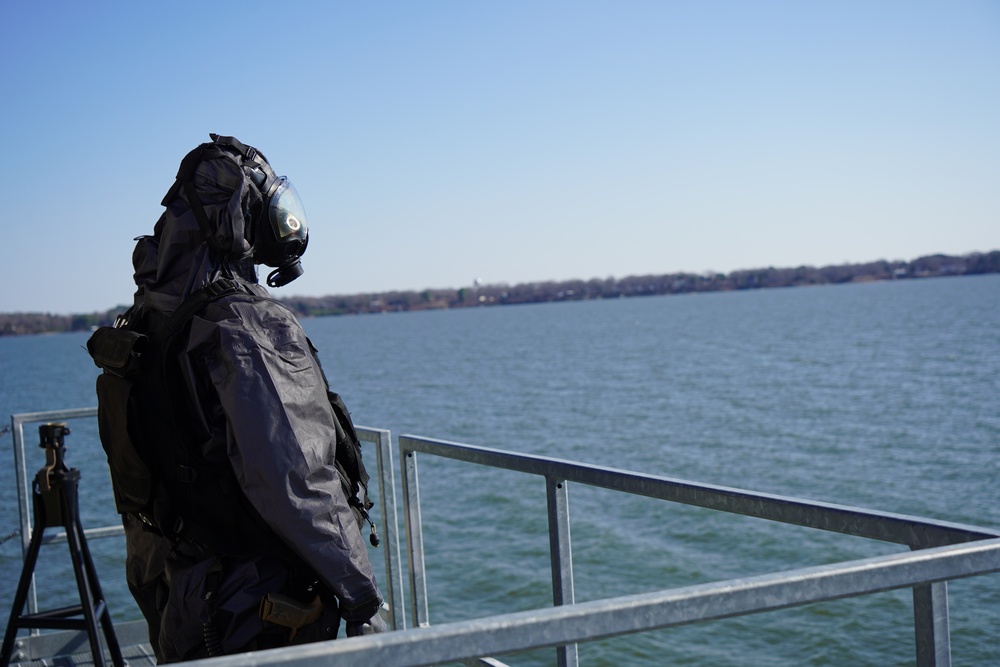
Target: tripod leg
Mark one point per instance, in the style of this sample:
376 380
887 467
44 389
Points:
94 587
24 584
86 594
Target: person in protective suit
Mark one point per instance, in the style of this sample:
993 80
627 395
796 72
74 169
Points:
263 549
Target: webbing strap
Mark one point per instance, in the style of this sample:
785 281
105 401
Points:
191 305
249 152
199 214
183 472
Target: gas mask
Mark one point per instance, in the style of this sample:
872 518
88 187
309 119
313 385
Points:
277 229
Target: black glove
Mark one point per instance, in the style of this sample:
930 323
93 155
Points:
370 627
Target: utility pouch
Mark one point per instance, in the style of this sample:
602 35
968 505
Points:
117 353
290 613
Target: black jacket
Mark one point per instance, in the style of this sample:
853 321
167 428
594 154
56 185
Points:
255 398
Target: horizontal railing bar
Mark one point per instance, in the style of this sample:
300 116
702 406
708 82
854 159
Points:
89 533
68 642
916 532
52 415
600 619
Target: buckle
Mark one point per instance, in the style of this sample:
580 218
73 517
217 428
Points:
186 474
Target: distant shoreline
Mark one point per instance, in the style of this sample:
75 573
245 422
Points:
930 266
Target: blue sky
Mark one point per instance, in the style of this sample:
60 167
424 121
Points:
438 142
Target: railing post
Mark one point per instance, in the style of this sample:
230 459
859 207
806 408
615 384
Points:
414 536
561 555
393 560
930 619
24 495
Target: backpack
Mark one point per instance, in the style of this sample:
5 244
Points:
156 474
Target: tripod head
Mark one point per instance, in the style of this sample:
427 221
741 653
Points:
52 438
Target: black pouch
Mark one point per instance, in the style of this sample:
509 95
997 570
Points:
117 353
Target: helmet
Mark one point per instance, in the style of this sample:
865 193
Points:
277 230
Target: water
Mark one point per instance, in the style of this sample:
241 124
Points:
877 395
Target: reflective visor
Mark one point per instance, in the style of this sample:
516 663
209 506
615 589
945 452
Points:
287 215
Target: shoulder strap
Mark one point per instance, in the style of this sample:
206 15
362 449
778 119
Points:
197 300
179 468
163 337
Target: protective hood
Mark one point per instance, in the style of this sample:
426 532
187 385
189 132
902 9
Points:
180 257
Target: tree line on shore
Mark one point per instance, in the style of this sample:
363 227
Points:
567 290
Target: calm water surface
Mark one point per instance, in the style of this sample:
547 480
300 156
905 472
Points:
875 395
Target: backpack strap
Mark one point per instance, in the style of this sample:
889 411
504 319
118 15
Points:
163 337
182 471
197 300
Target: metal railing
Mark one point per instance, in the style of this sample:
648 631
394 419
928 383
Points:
940 551
60 643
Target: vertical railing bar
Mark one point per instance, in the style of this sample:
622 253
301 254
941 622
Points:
414 535
931 625
24 504
390 529
561 556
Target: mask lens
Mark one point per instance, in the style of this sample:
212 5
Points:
288 217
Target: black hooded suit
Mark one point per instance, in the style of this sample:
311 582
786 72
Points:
254 403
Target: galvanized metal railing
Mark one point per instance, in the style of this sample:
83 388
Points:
60 643
585 621
940 551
